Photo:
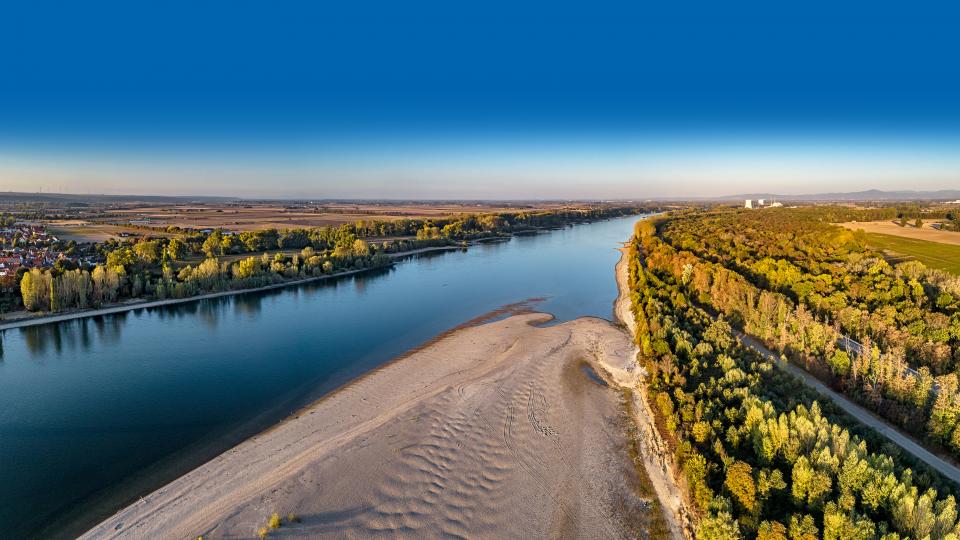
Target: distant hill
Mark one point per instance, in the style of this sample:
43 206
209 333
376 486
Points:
869 195
15 196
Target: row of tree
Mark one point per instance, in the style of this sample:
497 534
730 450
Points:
43 290
47 290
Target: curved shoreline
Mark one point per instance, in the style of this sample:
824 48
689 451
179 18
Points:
143 304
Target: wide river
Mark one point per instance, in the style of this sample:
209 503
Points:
98 411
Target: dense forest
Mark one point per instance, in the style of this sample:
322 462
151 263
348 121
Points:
194 263
803 286
760 457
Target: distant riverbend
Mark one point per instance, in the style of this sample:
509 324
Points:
98 411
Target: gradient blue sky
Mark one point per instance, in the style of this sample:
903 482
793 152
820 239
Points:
478 100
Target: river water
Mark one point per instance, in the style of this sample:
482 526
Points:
98 411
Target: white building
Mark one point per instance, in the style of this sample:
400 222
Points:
760 202
748 203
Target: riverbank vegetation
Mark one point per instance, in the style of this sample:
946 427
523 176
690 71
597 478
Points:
196 263
761 457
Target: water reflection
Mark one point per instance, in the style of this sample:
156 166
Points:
360 281
79 335
71 337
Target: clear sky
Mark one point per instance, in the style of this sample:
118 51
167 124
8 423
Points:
478 99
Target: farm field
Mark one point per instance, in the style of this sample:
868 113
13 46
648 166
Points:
80 230
140 219
927 232
933 254
248 217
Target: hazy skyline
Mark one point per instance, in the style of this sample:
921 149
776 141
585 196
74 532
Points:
611 167
478 101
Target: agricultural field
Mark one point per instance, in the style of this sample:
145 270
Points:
927 232
933 254
254 216
80 230
98 223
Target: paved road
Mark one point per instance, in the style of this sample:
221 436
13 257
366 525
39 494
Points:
881 426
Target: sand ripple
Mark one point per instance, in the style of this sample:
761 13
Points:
492 432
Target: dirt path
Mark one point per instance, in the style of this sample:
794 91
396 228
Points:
657 458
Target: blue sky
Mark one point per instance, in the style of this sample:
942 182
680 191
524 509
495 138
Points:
482 99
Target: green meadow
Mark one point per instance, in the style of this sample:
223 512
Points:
933 254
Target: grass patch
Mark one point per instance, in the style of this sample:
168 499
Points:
933 254
274 522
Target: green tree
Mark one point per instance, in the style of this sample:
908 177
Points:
840 363
123 257
945 410
56 302
148 251
35 290
230 244
695 470
176 249
719 526
771 530
803 528
212 245
360 248
248 267
809 486
739 482
914 513
843 525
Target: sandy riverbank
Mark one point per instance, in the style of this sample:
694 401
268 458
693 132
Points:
38 319
493 431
